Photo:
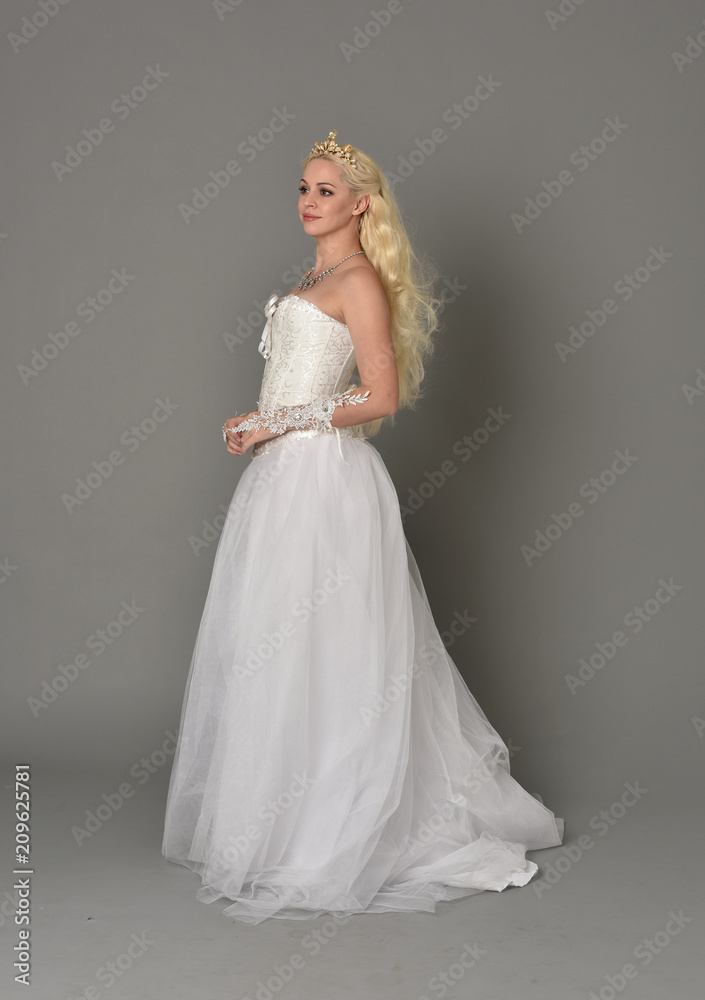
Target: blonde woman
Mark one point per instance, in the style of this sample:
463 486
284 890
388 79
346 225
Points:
331 758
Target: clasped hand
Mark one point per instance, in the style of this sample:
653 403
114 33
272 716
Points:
240 442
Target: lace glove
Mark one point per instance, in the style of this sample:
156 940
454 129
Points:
304 416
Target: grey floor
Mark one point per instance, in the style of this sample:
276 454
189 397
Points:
624 917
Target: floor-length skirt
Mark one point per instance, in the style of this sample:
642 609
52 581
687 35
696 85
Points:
330 758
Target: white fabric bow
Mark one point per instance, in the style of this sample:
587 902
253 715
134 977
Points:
265 343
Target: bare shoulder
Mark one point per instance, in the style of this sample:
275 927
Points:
361 292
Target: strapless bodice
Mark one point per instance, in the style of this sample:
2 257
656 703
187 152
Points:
309 355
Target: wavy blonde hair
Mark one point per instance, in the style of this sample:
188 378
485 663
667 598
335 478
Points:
407 280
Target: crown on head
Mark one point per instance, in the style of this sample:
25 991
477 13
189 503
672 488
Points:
330 146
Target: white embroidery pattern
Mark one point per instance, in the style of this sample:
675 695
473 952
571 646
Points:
310 360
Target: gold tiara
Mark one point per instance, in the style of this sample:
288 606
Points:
330 146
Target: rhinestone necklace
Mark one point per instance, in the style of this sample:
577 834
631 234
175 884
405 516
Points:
307 282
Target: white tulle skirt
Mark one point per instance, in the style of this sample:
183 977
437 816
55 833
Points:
330 758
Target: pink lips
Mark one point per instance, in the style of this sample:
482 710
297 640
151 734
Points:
308 218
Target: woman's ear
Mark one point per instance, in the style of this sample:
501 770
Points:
361 204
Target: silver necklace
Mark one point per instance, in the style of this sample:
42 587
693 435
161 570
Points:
307 282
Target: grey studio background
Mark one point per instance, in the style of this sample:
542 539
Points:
550 160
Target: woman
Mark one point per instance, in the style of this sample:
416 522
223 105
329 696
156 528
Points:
331 759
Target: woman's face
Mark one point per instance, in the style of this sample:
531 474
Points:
326 203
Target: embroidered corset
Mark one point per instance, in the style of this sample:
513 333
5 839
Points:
309 356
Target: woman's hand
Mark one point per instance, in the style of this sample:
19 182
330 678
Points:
239 443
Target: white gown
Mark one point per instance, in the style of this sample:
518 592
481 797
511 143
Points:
331 758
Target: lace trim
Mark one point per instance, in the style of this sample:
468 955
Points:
316 415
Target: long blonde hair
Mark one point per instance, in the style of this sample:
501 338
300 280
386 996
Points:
407 280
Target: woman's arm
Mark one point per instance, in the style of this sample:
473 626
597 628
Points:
366 314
